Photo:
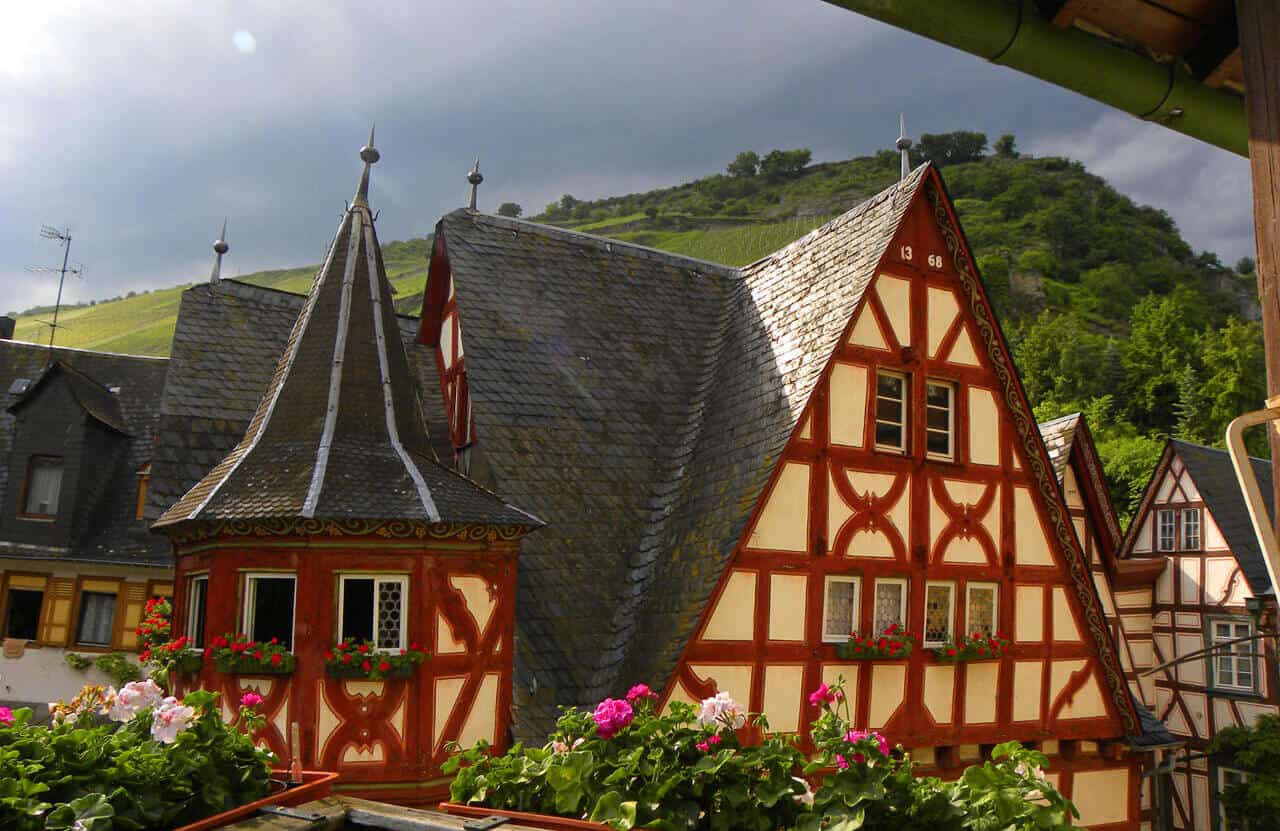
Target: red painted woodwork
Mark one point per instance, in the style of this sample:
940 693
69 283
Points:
441 321
411 755
916 556
315 785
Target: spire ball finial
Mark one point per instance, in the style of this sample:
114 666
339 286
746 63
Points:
220 247
369 154
903 144
474 177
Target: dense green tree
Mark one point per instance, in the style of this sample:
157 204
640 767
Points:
745 165
1006 146
1235 378
784 164
949 148
1192 408
1254 804
511 209
1246 265
1163 339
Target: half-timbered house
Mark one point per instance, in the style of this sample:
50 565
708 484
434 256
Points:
740 467
77 563
1196 564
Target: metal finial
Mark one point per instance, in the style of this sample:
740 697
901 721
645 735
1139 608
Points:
369 155
475 178
904 145
220 247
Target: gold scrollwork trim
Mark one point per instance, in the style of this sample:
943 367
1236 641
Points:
1029 436
395 529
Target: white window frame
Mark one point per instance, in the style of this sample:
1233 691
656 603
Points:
1218 654
1188 513
951 612
377 577
968 606
246 614
901 583
856 582
903 419
1172 516
190 629
1223 823
950 387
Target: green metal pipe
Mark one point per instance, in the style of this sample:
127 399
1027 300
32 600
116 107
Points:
1012 33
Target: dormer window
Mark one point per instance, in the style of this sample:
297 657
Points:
42 487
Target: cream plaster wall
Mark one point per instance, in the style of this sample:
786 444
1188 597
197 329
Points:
733 618
1032 545
787 603
445 699
939 691
984 422
888 689
1101 796
980 692
866 331
833 672
475 591
42 675
895 296
1191 672
1029 613
1064 619
482 721
963 351
943 309
734 679
847 403
1027 679
783 696
1188 579
1197 705
783 524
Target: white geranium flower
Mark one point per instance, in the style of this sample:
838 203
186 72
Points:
721 709
169 719
135 697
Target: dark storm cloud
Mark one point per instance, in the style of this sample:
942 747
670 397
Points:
143 127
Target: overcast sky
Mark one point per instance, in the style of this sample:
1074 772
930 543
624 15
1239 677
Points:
141 125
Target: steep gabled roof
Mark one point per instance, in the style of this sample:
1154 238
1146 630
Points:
1070 434
666 388
95 399
339 432
117 537
1059 436
1215 479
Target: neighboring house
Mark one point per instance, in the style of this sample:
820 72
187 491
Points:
1198 566
740 466
77 562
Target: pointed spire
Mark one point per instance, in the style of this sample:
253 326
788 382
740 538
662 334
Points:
475 178
370 155
904 145
220 247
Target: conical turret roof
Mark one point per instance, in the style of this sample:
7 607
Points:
339 432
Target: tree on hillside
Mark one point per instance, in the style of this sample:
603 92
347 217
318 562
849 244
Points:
568 203
511 209
784 164
745 165
949 148
1006 146
1163 339
1246 265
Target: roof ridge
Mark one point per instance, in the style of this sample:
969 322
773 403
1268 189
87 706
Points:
82 350
1212 449
1076 415
226 282
607 243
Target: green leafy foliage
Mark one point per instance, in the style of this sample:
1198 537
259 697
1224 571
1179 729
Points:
77 661
86 774
118 667
1256 751
238 654
361 659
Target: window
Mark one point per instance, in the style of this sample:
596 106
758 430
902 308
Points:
891 410
371 608
940 419
97 617
22 614
939 612
197 602
840 613
44 482
1227 779
1233 665
980 609
1166 529
268 608
1190 529
891 604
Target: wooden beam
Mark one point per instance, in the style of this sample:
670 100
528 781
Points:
1259 22
1067 12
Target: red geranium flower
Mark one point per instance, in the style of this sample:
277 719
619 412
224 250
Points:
384 666
951 651
277 659
346 659
364 647
365 665
328 656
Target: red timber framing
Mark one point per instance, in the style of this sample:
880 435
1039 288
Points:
836 505
441 329
387 738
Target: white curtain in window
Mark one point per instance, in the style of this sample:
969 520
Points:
43 486
97 613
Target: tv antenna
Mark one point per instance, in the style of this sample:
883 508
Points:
63 238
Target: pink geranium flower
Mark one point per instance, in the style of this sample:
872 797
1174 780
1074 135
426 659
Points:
250 699
822 695
640 692
611 716
6 716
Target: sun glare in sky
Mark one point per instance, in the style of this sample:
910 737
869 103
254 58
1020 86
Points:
245 41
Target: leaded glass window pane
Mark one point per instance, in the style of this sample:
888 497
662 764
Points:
937 613
1191 529
841 611
982 610
890 605
1166 530
390 608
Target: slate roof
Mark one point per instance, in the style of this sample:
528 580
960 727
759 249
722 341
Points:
339 431
1215 478
666 388
133 411
1059 435
96 400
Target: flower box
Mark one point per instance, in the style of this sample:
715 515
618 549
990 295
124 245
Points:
189 663
354 671
315 785
894 644
238 655
242 665
975 647
549 821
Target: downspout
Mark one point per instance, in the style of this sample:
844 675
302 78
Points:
1012 33
1253 497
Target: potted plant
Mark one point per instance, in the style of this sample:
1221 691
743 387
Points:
624 765
360 659
136 758
894 643
238 655
975 647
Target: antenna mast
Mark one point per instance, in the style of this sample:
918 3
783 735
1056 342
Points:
64 239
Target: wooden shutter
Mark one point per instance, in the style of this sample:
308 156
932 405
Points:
59 595
132 603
